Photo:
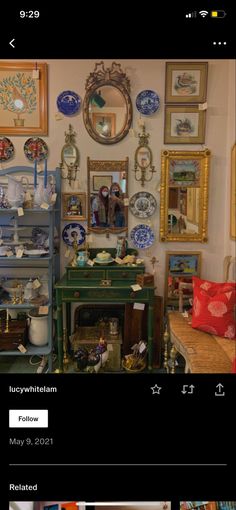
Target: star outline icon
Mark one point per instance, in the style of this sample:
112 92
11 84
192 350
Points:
156 389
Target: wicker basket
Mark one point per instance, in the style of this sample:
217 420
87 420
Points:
140 365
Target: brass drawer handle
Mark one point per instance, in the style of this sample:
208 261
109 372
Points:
132 295
76 293
124 275
86 274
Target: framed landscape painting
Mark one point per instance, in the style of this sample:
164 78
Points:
186 82
23 98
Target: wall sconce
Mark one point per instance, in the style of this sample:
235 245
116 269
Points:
69 156
143 159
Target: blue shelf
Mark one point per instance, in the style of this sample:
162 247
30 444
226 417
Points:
31 351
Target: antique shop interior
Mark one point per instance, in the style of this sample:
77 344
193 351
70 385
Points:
117 216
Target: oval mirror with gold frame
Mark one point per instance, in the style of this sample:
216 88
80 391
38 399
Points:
107 107
184 195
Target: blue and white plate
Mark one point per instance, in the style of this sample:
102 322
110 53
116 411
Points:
73 231
147 102
68 102
142 236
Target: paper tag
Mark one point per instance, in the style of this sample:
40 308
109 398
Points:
136 287
126 201
21 348
36 284
202 106
1 242
90 262
39 169
53 197
43 310
27 196
58 116
142 347
139 306
20 211
67 253
44 206
35 74
109 347
9 253
118 260
19 253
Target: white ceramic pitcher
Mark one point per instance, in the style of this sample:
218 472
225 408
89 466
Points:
42 194
15 190
38 328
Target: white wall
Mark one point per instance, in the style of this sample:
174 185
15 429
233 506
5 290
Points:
220 136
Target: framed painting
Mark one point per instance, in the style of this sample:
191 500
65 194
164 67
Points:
180 267
104 124
74 206
186 82
23 98
184 124
101 180
233 194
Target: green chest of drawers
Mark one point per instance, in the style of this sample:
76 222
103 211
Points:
96 274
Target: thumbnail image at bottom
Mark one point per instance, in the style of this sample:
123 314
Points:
77 505
207 505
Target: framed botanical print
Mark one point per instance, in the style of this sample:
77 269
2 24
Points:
23 98
233 194
74 206
184 124
186 82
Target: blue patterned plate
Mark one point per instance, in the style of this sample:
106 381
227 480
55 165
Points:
68 102
147 102
73 231
142 236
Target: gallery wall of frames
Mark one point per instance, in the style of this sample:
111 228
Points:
136 161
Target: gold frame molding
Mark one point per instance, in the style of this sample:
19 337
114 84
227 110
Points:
42 106
233 194
82 196
115 77
102 166
204 158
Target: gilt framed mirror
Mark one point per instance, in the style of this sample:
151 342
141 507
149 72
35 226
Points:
184 195
107 107
107 196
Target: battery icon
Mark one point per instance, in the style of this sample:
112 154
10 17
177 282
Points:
218 14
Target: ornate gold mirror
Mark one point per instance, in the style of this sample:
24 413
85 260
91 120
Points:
107 107
184 195
107 190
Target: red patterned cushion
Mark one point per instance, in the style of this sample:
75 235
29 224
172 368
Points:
213 307
234 367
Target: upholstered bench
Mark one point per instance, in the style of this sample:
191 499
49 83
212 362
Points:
203 352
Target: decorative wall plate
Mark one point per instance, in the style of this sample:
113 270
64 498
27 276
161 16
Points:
36 148
73 231
6 149
147 102
142 204
68 102
142 236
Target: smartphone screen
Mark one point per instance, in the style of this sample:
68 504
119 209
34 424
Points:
117 257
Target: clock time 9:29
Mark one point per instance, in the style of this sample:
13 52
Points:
29 14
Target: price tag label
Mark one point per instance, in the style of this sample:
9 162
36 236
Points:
90 262
43 310
142 347
126 201
202 106
9 253
136 287
39 169
53 198
44 206
119 261
20 211
35 74
58 116
67 253
139 306
21 348
19 253
27 196
36 284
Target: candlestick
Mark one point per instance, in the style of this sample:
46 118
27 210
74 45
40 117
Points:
45 173
7 322
35 173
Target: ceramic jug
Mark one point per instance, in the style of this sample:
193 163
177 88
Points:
38 328
15 191
82 258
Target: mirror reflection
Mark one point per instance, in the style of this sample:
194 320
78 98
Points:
107 111
107 189
183 210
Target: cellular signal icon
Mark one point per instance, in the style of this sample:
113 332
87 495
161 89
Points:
203 14
191 14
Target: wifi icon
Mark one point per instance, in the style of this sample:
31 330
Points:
203 13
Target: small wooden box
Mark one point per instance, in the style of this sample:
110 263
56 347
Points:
145 279
18 334
88 337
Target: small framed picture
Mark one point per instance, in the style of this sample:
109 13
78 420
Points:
184 124
180 267
101 180
186 82
74 206
104 124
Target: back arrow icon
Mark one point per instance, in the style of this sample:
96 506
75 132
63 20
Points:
11 43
